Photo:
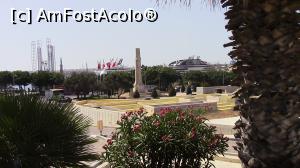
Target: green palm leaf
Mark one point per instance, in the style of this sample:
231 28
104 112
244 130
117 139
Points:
37 133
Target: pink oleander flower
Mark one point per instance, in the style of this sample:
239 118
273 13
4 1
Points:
193 133
105 146
130 153
109 142
140 111
164 111
124 117
216 139
137 127
166 138
156 123
114 136
181 116
200 119
129 113
213 127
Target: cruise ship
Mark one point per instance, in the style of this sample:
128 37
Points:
191 64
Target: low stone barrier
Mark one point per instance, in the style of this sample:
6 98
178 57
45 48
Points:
208 90
224 129
206 106
104 165
109 117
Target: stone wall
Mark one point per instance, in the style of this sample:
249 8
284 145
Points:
206 106
109 117
208 90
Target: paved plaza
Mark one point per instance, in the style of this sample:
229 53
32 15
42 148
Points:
224 121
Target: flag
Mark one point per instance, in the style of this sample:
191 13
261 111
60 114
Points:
108 64
99 66
103 65
114 64
120 61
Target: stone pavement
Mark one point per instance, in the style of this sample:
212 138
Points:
94 132
225 164
224 121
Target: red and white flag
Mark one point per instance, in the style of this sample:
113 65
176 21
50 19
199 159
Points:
103 65
120 61
108 64
114 64
99 65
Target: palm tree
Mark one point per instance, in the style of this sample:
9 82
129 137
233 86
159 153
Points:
37 133
265 46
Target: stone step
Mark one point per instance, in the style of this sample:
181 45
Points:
225 104
220 106
228 158
225 109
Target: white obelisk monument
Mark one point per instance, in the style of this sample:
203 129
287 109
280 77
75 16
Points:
138 84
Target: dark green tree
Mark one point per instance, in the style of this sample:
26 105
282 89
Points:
189 90
71 84
81 83
6 78
37 133
118 82
182 89
56 78
209 78
154 94
136 94
171 91
160 76
21 78
41 80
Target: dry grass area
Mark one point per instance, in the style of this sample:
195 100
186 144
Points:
128 104
221 114
135 104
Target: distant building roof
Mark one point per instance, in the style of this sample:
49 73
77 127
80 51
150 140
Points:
191 63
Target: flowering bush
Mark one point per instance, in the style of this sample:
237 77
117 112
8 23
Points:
172 138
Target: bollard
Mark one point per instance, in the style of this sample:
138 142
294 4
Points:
100 126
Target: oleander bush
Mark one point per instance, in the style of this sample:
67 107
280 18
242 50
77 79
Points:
172 138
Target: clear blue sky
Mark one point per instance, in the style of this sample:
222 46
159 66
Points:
178 33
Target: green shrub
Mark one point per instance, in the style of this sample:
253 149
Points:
182 89
189 90
154 94
136 94
39 133
172 138
172 91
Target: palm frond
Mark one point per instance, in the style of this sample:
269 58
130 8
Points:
188 3
38 133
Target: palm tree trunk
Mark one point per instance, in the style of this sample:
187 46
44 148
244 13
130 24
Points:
266 47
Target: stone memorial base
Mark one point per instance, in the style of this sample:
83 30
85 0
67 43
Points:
206 106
